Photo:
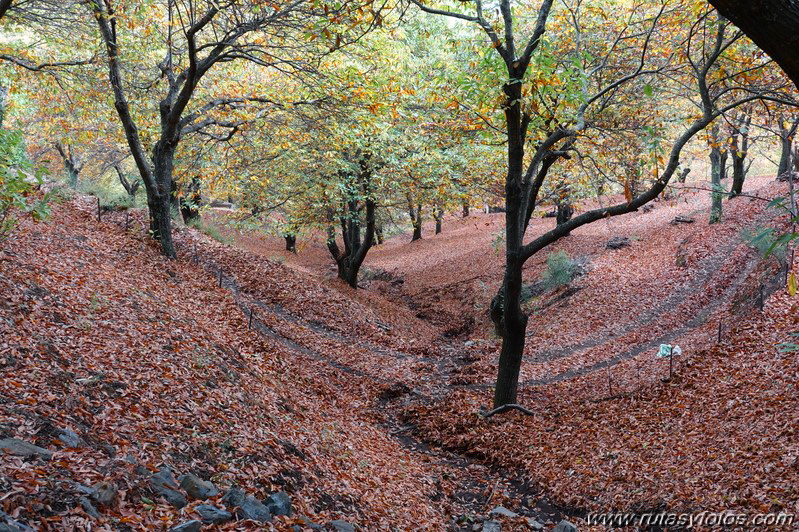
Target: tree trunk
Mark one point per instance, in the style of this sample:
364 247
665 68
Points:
785 156
716 167
565 212
131 187
160 200
771 24
71 163
738 174
379 233
415 215
160 209
465 209
291 243
439 219
513 321
190 202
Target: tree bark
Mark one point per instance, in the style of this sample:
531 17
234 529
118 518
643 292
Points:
415 214
771 24
716 168
131 187
439 219
291 243
72 164
190 201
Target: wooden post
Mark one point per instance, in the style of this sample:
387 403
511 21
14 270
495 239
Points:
249 321
671 362
98 209
720 322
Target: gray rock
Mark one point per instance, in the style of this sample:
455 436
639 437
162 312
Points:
503 512
279 503
197 488
9 524
68 438
164 484
247 506
492 526
565 526
88 507
105 493
23 448
310 524
342 526
469 343
189 526
618 242
211 515
535 525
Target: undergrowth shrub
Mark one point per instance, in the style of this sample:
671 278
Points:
561 270
19 183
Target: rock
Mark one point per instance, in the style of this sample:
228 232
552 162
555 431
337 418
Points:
535 525
68 438
342 526
682 220
197 488
189 526
88 507
9 524
164 484
23 448
469 343
618 242
279 503
105 493
247 506
503 512
310 524
565 526
492 526
211 515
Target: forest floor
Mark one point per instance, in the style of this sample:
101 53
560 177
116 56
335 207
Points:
363 405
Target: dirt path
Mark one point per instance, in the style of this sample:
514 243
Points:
478 483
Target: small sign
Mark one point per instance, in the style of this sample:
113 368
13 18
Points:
668 351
